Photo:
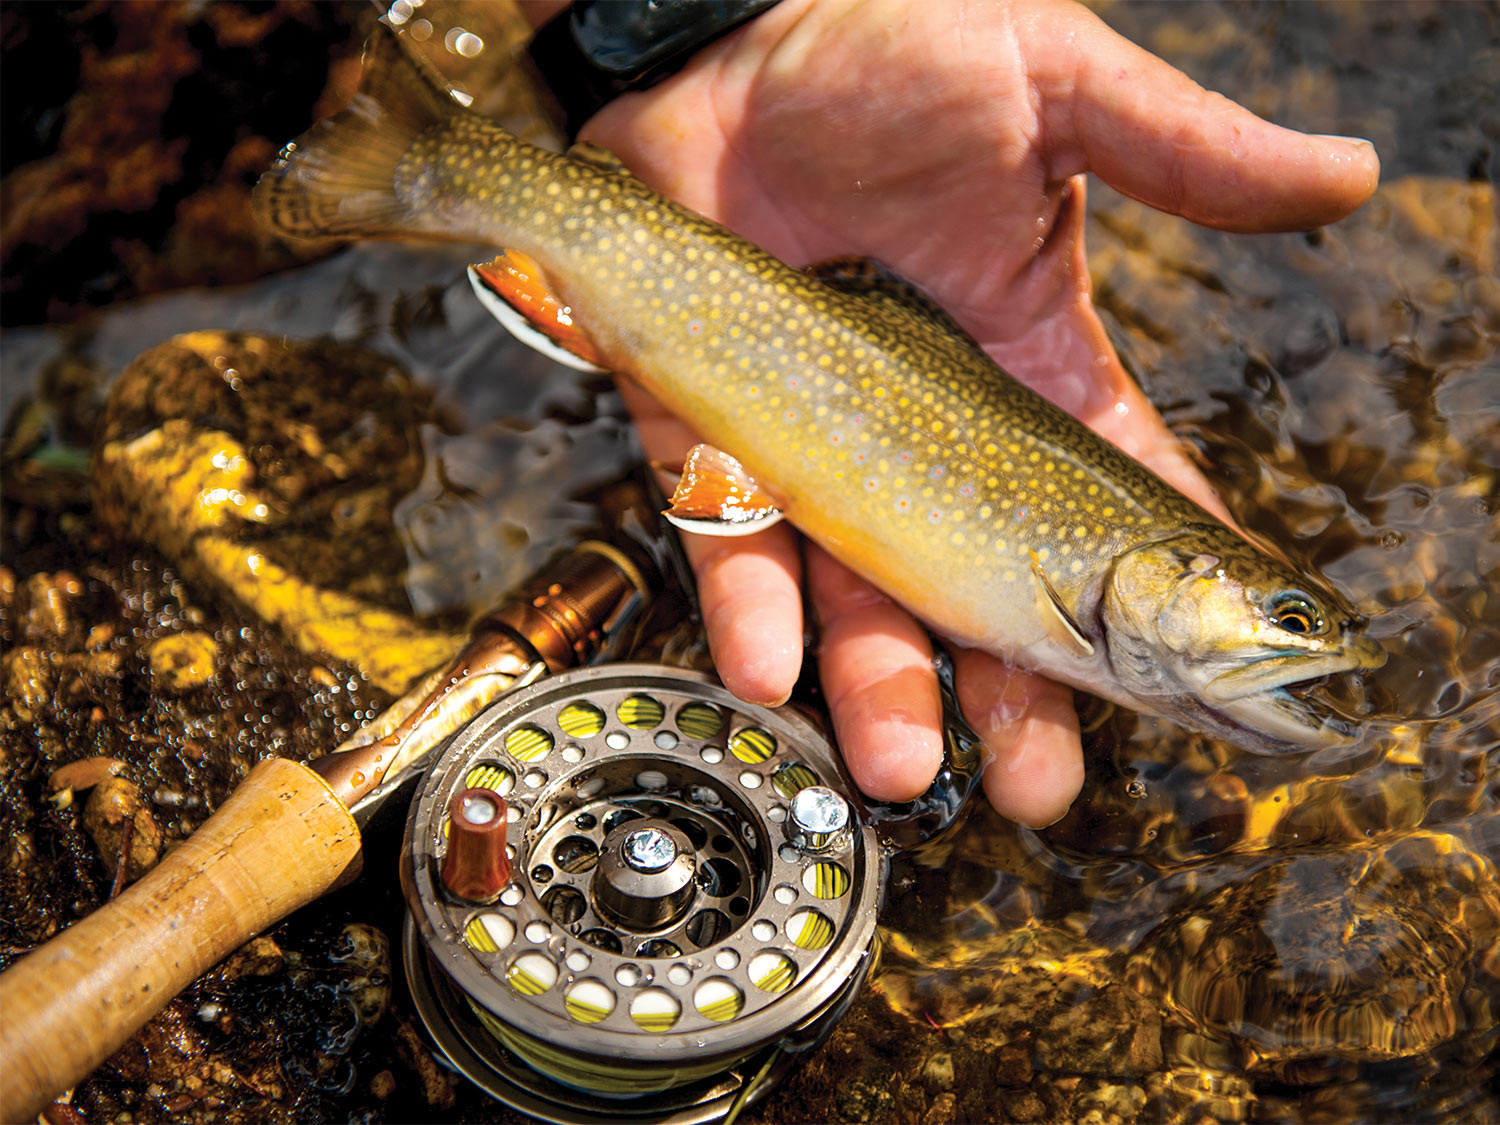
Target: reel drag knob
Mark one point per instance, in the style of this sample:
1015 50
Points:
818 818
647 876
476 866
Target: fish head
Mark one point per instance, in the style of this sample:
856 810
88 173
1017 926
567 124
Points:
1204 627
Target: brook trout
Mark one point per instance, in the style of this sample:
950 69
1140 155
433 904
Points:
845 400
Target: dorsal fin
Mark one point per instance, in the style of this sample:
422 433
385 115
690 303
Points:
597 156
867 277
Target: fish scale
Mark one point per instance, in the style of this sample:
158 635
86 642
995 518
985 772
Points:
878 426
864 393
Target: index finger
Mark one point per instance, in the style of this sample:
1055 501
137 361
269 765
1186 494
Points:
1151 132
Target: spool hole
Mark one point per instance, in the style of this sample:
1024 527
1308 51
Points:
575 854
706 927
565 905
606 940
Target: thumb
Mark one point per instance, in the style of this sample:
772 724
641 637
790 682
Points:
1154 134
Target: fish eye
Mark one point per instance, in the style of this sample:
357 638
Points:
1294 611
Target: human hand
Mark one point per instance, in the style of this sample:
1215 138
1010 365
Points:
948 140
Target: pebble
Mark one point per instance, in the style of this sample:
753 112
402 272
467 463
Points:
115 802
84 773
938 1072
182 662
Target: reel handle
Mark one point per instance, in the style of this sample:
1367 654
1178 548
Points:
281 840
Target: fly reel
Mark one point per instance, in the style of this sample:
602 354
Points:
633 896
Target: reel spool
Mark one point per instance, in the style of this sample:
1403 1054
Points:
682 896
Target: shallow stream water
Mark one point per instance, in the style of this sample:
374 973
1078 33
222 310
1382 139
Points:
1206 934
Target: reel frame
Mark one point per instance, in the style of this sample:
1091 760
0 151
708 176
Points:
564 1000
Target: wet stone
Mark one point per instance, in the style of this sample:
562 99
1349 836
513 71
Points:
938 1071
120 823
1113 1032
182 662
1109 1103
84 773
258 957
1022 1106
943 1110
1197 1094
866 1100
46 609
30 681
437 1084
1013 1065
364 953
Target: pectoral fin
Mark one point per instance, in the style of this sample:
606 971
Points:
1055 611
515 292
716 496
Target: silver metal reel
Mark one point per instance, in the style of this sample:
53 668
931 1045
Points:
691 897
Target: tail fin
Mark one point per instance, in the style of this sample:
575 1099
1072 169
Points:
338 179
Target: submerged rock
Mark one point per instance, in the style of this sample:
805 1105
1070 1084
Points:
268 470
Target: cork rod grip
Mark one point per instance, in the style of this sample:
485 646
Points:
280 840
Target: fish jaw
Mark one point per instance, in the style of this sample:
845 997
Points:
1253 696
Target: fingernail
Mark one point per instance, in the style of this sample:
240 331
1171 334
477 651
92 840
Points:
1361 141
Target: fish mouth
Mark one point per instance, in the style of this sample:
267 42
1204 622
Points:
1291 666
1263 696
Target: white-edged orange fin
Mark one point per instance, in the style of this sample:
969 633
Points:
513 290
716 496
1053 610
